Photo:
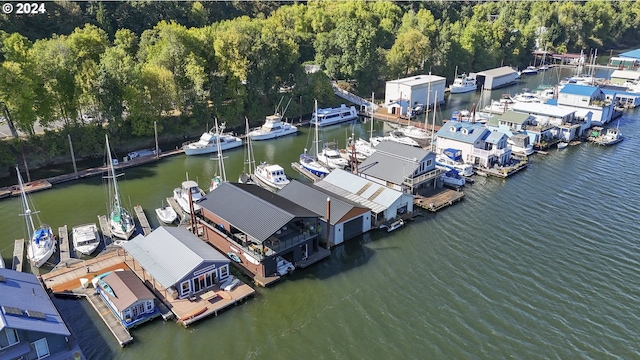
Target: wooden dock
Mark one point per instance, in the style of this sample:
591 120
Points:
18 255
306 173
503 172
439 200
104 228
184 218
142 218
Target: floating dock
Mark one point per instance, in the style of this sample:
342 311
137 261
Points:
106 232
502 172
142 218
18 255
306 173
181 214
439 200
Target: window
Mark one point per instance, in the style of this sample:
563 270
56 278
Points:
149 306
224 271
429 162
185 288
8 337
42 349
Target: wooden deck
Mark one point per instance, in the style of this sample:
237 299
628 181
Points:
142 218
184 218
30 187
439 200
68 278
104 228
18 255
503 172
63 235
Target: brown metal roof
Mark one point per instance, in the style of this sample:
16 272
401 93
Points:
127 287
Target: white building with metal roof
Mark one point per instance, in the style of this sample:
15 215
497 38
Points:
386 204
178 261
410 91
347 218
496 78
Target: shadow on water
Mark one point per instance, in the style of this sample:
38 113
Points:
84 326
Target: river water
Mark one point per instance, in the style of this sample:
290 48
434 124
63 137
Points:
541 265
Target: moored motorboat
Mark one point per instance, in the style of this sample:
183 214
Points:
166 214
330 116
414 132
330 157
271 176
452 159
529 70
451 178
463 84
85 238
611 136
272 128
41 241
208 142
181 195
395 136
562 144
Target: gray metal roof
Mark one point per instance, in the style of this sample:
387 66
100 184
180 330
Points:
376 197
315 199
170 253
393 161
505 70
23 291
252 209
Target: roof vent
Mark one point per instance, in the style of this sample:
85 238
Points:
36 314
9 310
3 279
465 131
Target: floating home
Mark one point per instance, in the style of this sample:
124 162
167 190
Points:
401 167
478 145
30 325
259 227
386 204
407 92
347 219
620 77
584 99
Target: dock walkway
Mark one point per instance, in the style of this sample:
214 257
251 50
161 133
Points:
184 218
439 200
306 173
18 255
142 218
104 228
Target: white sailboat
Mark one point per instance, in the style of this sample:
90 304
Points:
310 162
41 241
218 179
249 163
120 220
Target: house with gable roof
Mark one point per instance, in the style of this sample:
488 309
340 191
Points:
30 325
478 145
585 99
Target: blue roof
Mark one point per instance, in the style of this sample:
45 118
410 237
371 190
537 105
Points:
582 90
23 291
454 131
620 93
494 137
631 54
552 102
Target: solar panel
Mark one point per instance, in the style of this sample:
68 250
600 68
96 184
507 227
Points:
8 310
36 314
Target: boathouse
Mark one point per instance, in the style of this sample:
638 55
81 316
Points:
127 297
477 144
620 77
401 167
629 59
496 78
584 99
410 91
386 204
259 226
625 99
30 325
178 262
348 219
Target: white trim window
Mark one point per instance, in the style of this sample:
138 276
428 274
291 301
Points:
10 338
224 271
41 347
185 288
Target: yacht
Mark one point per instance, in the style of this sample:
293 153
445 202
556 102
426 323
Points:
181 195
272 128
394 136
463 84
526 96
208 142
272 177
451 178
452 159
330 116
41 242
85 238
330 156
520 145
530 70
414 132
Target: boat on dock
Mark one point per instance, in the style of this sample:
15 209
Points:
208 142
85 238
120 220
41 241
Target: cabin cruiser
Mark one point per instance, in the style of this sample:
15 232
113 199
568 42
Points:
529 70
272 128
85 238
463 84
272 177
181 195
452 159
208 142
330 116
414 132
330 157
395 136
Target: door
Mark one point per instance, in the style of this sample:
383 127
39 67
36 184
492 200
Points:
352 228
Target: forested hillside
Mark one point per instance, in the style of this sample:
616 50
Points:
129 64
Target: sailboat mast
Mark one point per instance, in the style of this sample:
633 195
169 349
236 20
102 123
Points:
316 131
116 200
223 175
433 127
25 206
426 110
372 102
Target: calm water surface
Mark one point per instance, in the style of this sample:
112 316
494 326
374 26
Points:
542 265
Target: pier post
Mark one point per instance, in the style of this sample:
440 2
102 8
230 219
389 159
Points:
73 156
328 223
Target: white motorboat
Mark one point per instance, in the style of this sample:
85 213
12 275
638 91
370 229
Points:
120 220
451 159
463 84
41 242
395 136
271 177
181 195
166 214
330 156
392 225
414 132
530 70
362 148
141 153
272 128
562 144
310 162
330 116
451 178
611 136
208 142
526 96
85 238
